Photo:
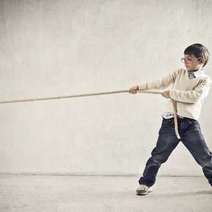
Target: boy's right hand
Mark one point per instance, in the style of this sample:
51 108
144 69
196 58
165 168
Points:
134 89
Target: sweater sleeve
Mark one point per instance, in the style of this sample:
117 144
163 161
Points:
161 83
192 96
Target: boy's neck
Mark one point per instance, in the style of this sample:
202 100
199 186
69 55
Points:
195 70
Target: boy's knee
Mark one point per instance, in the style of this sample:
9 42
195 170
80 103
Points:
157 160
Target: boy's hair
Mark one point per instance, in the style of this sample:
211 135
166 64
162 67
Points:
199 51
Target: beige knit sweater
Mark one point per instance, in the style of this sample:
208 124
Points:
188 93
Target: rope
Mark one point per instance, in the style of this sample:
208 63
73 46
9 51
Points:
97 94
62 97
175 119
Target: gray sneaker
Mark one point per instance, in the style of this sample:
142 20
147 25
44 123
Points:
143 190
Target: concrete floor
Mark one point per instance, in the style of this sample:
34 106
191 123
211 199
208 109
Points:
20 193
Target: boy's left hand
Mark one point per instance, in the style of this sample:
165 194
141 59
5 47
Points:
166 93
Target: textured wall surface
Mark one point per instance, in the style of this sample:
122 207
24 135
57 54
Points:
52 47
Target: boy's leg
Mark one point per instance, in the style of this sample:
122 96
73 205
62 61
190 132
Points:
194 141
166 143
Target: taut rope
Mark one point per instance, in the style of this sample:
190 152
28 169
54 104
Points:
97 94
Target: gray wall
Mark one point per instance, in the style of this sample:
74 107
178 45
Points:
52 47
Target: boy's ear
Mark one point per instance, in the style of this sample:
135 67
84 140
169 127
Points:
200 60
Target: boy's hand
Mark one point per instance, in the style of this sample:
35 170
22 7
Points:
134 89
166 93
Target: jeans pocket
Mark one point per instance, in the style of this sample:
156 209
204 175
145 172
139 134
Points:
167 126
169 122
168 131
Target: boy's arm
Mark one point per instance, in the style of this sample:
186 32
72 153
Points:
159 84
191 96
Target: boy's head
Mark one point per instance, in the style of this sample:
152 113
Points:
195 56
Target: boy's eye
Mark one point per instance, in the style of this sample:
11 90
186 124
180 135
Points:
186 59
189 59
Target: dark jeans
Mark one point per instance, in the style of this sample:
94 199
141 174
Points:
191 137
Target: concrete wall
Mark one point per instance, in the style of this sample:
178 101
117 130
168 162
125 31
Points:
61 47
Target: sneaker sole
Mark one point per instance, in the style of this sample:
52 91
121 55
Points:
142 193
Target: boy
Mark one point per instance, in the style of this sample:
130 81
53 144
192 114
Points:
189 87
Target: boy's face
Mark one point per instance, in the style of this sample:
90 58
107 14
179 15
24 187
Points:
191 62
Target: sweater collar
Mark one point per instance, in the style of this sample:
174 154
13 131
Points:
195 73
